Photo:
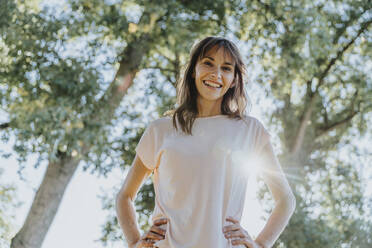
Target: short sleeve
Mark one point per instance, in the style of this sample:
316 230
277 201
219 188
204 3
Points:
263 137
147 147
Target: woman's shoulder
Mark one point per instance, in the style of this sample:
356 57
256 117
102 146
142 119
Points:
161 123
251 120
258 126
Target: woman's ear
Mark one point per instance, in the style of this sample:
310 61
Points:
232 84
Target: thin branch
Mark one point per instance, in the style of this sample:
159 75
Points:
161 69
336 124
326 128
170 80
347 23
166 57
341 52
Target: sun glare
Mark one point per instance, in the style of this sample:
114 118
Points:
251 166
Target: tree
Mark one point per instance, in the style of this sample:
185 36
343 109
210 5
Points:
52 86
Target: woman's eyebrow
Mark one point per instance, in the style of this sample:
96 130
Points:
227 63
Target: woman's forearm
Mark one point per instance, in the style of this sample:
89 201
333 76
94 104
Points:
127 219
277 222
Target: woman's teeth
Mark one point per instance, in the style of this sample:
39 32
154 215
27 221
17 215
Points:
212 84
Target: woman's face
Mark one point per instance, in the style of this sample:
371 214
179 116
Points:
217 70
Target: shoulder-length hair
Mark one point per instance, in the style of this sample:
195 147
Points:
234 101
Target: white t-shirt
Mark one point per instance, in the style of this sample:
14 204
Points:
200 180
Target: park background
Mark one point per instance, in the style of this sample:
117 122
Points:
80 80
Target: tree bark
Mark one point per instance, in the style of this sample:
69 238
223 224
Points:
45 205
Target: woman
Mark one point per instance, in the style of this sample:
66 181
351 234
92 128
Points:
202 154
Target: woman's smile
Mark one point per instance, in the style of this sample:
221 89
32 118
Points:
211 84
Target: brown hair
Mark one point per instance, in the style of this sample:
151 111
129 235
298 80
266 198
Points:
234 101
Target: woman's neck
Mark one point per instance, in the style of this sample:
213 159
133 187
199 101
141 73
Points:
208 108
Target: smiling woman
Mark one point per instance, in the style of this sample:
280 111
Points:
202 154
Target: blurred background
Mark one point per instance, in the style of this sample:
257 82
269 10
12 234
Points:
80 80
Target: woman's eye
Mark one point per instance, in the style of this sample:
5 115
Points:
227 68
207 63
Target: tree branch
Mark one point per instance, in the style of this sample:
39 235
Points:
4 125
341 52
132 57
337 124
307 112
333 125
161 69
346 24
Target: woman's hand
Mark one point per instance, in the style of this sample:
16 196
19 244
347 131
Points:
153 235
238 235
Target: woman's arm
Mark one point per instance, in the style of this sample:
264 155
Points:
124 201
285 202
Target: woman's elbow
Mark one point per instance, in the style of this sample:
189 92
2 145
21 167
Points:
288 201
121 198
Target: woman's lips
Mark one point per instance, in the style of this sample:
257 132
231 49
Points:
211 87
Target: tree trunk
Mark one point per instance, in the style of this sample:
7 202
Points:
45 205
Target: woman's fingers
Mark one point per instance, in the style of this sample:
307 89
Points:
235 230
157 230
231 231
231 219
160 221
236 234
242 242
229 228
155 233
145 243
154 236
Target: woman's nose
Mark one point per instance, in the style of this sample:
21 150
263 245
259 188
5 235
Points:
217 73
